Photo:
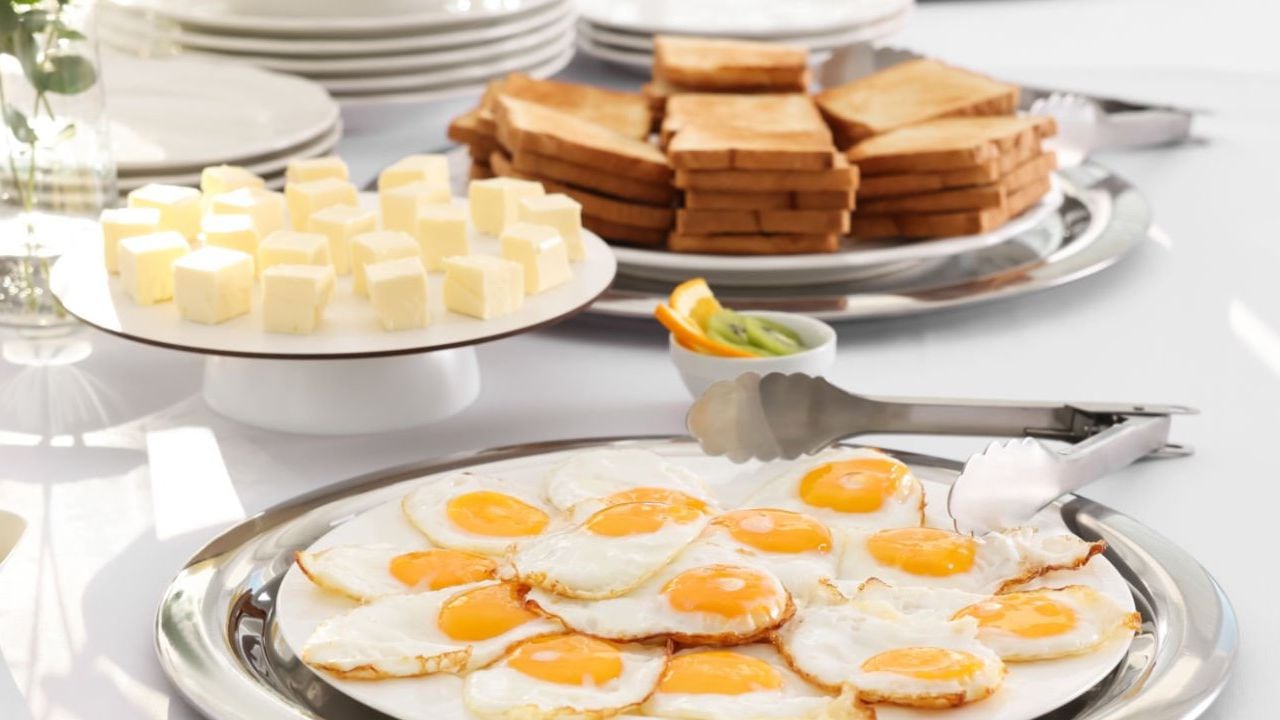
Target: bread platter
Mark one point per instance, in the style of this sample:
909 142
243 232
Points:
219 636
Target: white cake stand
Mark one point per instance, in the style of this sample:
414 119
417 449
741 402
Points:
349 377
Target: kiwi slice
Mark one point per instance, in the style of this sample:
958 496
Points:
775 338
730 328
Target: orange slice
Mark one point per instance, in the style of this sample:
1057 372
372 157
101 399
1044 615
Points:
691 336
694 300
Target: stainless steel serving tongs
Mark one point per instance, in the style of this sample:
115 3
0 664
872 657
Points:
786 416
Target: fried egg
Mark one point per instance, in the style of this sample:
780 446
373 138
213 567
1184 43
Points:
708 595
612 551
905 660
795 547
750 682
443 631
617 475
929 557
477 513
368 572
848 488
565 676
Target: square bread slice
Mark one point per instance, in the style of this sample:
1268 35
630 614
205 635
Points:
703 147
763 112
753 244
596 205
877 186
715 64
607 183
622 112
841 177
621 232
995 194
949 143
782 200
948 224
722 222
526 126
909 93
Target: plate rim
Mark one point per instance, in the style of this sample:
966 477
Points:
586 11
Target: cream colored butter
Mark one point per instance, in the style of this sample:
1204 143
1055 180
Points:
146 265
220 179
441 232
541 252
294 297
265 207
235 232
286 247
341 223
432 169
483 286
560 212
376 247
179 207
213 284
120 223
400 204
494 201
304 170
306 198
398 290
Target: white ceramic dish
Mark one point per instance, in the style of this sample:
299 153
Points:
629 58
855 260
699 371
350 329
371 101
763 19
1030 689
182 113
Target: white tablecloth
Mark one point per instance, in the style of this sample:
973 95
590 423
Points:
123 471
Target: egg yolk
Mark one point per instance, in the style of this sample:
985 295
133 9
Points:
638 518
724 590
567 660
778 531
719 672
440 568
923 551
1026 614
655 494
925 663
860 485
486 512
483 613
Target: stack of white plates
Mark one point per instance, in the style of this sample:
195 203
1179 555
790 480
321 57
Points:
621 31
172 117
362 51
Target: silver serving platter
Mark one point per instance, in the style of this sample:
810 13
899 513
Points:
217 641
1102 218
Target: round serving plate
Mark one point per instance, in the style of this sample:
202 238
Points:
141 29
218 635
762 19
330 18
636 60
180 113
856 260
1101 218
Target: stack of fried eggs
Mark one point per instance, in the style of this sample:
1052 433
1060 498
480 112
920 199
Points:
619 585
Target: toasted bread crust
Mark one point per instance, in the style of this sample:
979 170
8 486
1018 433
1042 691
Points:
705 64
753 222
948 144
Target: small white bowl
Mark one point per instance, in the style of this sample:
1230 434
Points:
699 371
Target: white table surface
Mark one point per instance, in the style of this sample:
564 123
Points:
123 471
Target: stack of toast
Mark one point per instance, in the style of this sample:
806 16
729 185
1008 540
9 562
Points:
703 65
760 174
951 176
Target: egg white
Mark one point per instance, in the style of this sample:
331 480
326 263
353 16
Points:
359 572
597 474
425 509
904 508
800 572
397 636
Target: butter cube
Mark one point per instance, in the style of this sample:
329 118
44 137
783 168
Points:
146 265
483 286
294 297
310 169
264 207
220 179
307 198
212 284
340 223
441 232
560 212
120 223
179 206
235 232
541 252
432 169
494 201
378 246
286 247
400 204
398 289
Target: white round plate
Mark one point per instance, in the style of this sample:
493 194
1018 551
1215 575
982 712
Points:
856 260
332 18
181 113
350 328
549 28
274 165
1029 690
765 19
142 30
431 93
636 59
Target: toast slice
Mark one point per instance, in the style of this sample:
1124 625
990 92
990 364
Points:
841 177
753 244
948 144
479 171
948 224
714 64
700 147
465 129
625 113
763 112
816 200
525 126
722 222
878 186
995 194
606 183
621 232
909 93
595 205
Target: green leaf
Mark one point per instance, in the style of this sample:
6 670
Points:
8 19
34 21
67 75
18 125
69 33
25 49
